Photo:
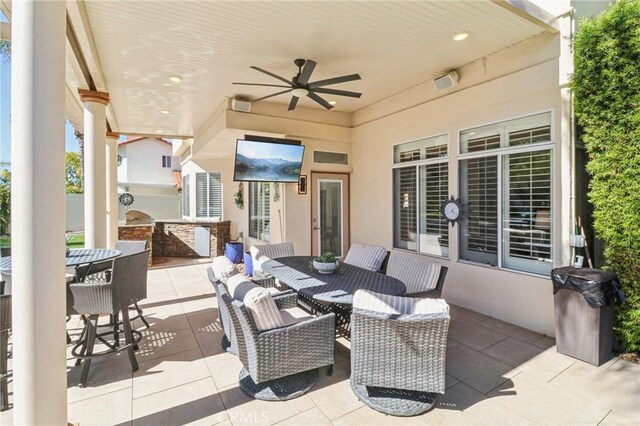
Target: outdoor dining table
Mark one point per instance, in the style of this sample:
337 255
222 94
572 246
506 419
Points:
76 257
323 293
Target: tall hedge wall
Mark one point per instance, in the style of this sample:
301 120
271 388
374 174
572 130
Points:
606 87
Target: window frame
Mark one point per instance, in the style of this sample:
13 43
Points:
166 161
208 192
251 201
417 164
186 196
500 154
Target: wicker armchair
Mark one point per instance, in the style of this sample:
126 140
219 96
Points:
5 328
128 285
281 363
229 341
398 349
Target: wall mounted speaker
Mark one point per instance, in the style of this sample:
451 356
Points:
242 106
446 81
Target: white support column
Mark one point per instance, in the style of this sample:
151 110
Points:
95 182
38 215
112 189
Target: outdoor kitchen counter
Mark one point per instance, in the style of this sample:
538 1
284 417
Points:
177 237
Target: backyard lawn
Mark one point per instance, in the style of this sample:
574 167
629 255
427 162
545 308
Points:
74 241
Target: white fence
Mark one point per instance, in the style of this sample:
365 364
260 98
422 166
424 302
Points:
157 206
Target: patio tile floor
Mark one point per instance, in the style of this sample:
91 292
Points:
497 373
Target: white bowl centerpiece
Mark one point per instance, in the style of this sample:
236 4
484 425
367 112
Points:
325 264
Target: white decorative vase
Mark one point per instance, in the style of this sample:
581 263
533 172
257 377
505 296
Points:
325 268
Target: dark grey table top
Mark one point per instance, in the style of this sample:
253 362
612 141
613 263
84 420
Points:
338 287
76 257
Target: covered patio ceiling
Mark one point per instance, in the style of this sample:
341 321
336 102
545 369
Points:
131 49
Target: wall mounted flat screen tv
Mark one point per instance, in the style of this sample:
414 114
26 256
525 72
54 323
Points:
267 161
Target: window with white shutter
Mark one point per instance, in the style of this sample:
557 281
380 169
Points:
505 185
259 210
186 206
209 195
419 190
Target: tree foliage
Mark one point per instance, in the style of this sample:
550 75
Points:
5 50
5 201
74 173
606 86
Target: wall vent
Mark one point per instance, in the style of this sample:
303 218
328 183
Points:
330 157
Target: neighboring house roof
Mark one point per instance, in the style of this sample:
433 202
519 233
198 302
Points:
147 184
177 175
142 138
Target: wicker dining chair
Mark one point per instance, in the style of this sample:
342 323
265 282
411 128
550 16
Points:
94 298
422 276
281 363
264 252
229 342
398 351
5 329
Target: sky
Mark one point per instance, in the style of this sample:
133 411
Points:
270 150
5 113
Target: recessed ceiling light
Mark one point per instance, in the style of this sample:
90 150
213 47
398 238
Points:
175 78
333 102
461 36
159 130
165 111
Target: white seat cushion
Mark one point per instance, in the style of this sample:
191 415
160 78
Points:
366 256
223 269
418 273
396 305
294 315
263 309
264 252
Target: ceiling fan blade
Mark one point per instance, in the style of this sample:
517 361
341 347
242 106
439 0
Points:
260 84
272 95
293 103
319 100
271 74
337 92
334 80
309 66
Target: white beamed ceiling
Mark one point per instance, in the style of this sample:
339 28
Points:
392 45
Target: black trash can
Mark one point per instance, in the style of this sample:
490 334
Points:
584 302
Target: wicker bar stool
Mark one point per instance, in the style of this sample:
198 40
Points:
93 299
398 350
5 328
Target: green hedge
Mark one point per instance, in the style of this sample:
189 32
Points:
606 87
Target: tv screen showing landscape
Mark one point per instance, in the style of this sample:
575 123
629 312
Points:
267 162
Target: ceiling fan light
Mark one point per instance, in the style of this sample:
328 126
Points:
299 92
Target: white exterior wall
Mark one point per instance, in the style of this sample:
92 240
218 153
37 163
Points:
528 78
518 298
142 162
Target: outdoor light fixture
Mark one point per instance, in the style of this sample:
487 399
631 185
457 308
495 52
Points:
461 36
333 102
299 92
158 130
165 112
175 78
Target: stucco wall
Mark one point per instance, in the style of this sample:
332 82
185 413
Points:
527 78
517 298
142 162
292 211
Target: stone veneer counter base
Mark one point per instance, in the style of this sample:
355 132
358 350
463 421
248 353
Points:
176 238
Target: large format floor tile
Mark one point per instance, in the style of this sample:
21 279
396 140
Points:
497 374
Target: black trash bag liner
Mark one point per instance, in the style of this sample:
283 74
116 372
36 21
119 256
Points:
598 287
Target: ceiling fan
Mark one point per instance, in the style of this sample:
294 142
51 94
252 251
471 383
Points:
299 85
